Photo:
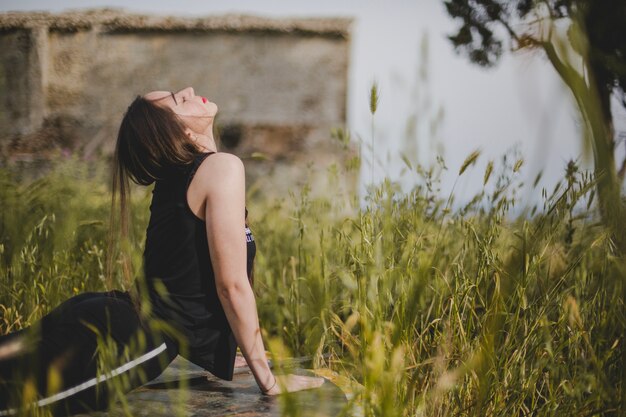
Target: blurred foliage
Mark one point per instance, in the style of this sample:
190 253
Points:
585 43
53 237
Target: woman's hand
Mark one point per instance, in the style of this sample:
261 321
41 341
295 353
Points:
292 383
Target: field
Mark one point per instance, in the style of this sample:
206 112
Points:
425 309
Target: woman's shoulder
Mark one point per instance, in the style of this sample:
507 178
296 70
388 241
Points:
221 162
220 169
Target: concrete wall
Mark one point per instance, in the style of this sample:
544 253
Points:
22 110
65 81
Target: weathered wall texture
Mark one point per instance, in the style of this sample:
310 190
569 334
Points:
66 79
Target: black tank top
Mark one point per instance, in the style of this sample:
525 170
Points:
177 255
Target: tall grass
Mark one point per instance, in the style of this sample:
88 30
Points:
427 310
52 235
434 312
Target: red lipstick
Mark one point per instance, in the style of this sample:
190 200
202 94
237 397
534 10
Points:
204 100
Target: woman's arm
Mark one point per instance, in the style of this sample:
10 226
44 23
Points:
223 178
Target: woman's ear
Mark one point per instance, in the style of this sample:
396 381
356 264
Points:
191 135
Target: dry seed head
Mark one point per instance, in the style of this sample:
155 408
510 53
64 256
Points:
471 158
488 172
374 97
571 307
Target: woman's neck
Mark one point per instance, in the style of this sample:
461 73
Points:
206 142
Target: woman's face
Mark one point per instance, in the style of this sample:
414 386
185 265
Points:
196 112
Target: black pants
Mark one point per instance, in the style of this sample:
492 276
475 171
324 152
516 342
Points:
80 355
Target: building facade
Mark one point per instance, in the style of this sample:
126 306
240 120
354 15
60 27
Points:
280 84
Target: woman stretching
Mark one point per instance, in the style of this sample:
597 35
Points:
196 299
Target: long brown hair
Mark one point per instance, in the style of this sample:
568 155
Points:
151 138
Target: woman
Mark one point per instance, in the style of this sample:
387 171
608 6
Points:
196 298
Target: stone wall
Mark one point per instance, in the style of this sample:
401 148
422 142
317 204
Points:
280 84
